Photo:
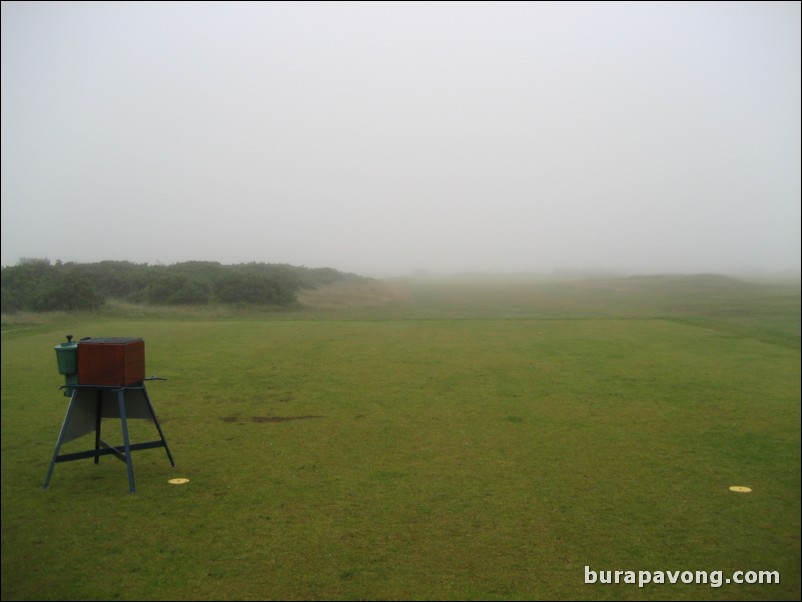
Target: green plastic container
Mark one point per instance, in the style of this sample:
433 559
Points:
67 358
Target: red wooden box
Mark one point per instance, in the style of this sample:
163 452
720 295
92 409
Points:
114 361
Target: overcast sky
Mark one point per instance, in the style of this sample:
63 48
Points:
384 137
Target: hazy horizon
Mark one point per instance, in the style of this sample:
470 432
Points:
386 138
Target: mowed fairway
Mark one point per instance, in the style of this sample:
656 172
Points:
492 454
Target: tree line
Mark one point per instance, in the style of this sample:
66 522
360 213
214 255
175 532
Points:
39 285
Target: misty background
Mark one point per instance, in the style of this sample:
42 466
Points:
385 137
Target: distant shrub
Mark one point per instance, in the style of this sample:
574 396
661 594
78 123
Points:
38 285
244 287
177 289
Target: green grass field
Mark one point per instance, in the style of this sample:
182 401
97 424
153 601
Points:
459 439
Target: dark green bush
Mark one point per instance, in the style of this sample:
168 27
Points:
38 285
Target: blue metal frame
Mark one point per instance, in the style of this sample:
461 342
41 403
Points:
72 426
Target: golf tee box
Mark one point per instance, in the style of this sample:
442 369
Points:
111 361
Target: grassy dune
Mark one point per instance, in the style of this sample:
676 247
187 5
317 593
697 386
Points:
419 439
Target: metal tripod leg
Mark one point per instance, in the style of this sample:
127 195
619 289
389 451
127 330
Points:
61 436
158 426
98 422
126 442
